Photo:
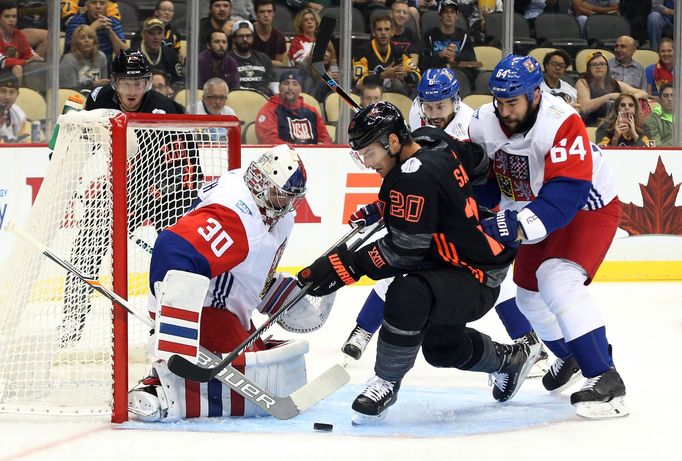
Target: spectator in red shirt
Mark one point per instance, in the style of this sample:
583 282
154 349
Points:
15 50
285 118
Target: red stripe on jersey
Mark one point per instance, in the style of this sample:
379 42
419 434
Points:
192 399
181 314
218 234
571 154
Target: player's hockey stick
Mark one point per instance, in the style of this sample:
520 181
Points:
280 407
324 34
195 372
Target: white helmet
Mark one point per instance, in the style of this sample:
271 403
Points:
277 181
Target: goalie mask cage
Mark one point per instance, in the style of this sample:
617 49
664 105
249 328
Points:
114 181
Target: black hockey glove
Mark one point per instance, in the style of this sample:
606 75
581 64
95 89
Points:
330 272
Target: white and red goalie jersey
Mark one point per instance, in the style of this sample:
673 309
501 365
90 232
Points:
224 238
551 171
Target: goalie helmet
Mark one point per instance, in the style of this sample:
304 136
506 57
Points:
277 181
515 75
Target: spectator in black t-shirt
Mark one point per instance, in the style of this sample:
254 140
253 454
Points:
404 37
219 12
266 38
255 68
447 45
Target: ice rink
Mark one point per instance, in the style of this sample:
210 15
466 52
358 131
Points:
441 414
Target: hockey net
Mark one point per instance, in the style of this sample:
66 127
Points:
114 181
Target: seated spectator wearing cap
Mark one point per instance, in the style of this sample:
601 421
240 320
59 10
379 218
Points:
164 11
15 52
215 62
159 56
219 18
285 118
109 31
266 38
255 68
13 124
447 45
84 67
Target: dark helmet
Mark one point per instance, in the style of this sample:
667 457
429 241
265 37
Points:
374 123
130 64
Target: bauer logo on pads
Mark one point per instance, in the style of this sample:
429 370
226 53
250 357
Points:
179 315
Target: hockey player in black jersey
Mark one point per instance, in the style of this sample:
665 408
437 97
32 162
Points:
452 269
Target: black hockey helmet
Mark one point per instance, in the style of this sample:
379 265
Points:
374 123
130 64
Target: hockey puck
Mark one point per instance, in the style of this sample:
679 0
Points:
323 427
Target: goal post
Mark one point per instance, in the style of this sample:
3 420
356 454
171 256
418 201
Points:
114 181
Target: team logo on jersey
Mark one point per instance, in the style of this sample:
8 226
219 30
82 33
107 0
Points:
243 207
95 92
158 111
300 130
513 176
411 165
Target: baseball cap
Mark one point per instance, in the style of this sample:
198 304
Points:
8 80
444 3
151 23
241 25
290 75
213 1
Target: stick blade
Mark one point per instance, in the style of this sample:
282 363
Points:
188 370
320 388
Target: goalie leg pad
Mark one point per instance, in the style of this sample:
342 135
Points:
156 398
180 302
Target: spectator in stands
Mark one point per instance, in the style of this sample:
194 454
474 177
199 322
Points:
389 62
661 72
555 64
214 61
219 18
597 89
159 56
316 6
623 67
32 21
70 8
109 31
371 92
582 9
214 98
661 20
475 13
661 119
285 118
535 8
242 10
447 45
312 84
84 67
160 83
404 37
637 13
164 11
266 38
15 51
13 124
255 68
305 25
624 125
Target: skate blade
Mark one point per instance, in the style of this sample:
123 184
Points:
360 419
602 410
540 369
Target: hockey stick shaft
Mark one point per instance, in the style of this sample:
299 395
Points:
324 34
279 407
188 370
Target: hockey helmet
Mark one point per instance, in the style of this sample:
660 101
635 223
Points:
130 64
374 123
515 75
437 85
277 181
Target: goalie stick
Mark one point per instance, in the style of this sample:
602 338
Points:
324 34
280 407
195 372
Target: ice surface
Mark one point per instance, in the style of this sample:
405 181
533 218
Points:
440 414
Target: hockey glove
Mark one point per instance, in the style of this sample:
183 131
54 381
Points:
330 272
367 215
503 227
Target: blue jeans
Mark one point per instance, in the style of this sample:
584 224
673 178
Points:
656 25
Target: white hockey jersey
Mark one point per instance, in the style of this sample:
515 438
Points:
243 253
458 128
556 146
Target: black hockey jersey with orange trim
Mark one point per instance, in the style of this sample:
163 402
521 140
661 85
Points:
433 221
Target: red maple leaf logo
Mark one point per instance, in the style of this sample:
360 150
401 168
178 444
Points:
658 215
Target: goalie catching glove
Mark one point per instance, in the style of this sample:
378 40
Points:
308 314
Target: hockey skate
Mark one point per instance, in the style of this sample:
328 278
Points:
357 342
540 367
517 360
147 401
561 375
371 405
601 397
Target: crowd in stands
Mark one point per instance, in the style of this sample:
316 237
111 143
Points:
241 46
